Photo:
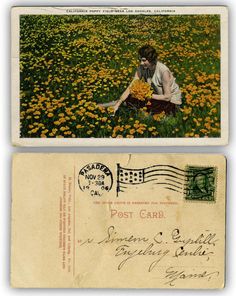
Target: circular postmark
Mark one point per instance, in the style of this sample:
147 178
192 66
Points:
95 178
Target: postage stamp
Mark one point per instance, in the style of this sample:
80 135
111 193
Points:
200 183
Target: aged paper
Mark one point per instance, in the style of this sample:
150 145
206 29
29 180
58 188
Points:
118 221
71 66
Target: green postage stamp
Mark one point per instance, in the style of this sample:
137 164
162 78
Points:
200 183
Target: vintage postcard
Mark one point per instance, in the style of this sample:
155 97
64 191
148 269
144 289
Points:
118 221
114 76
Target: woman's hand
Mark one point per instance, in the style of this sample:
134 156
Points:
116 107
123 97
125 94
168 97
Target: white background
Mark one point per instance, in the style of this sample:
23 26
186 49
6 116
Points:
6 151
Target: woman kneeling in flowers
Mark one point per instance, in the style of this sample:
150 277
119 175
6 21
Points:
153 86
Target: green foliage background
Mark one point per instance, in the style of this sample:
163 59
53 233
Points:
70 63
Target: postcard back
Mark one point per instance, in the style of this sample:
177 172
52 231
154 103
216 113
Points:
118 221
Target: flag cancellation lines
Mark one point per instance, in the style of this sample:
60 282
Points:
166 176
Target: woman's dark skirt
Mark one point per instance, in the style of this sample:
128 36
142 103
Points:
153 107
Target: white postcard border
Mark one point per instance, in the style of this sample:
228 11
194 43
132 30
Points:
155 10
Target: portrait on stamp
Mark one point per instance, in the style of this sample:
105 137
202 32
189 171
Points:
201 183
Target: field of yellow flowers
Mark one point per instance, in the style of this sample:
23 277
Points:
68 64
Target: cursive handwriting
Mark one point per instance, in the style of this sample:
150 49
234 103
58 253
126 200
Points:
199 251
206 238
157 247
112 237
173 275
129 253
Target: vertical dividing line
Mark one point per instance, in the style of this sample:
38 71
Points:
74 228
118 180
143 175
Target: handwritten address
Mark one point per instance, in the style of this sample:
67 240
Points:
160 246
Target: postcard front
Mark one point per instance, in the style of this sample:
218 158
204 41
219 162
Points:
105 76
118 221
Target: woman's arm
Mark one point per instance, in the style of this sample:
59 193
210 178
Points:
125 94
166 80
